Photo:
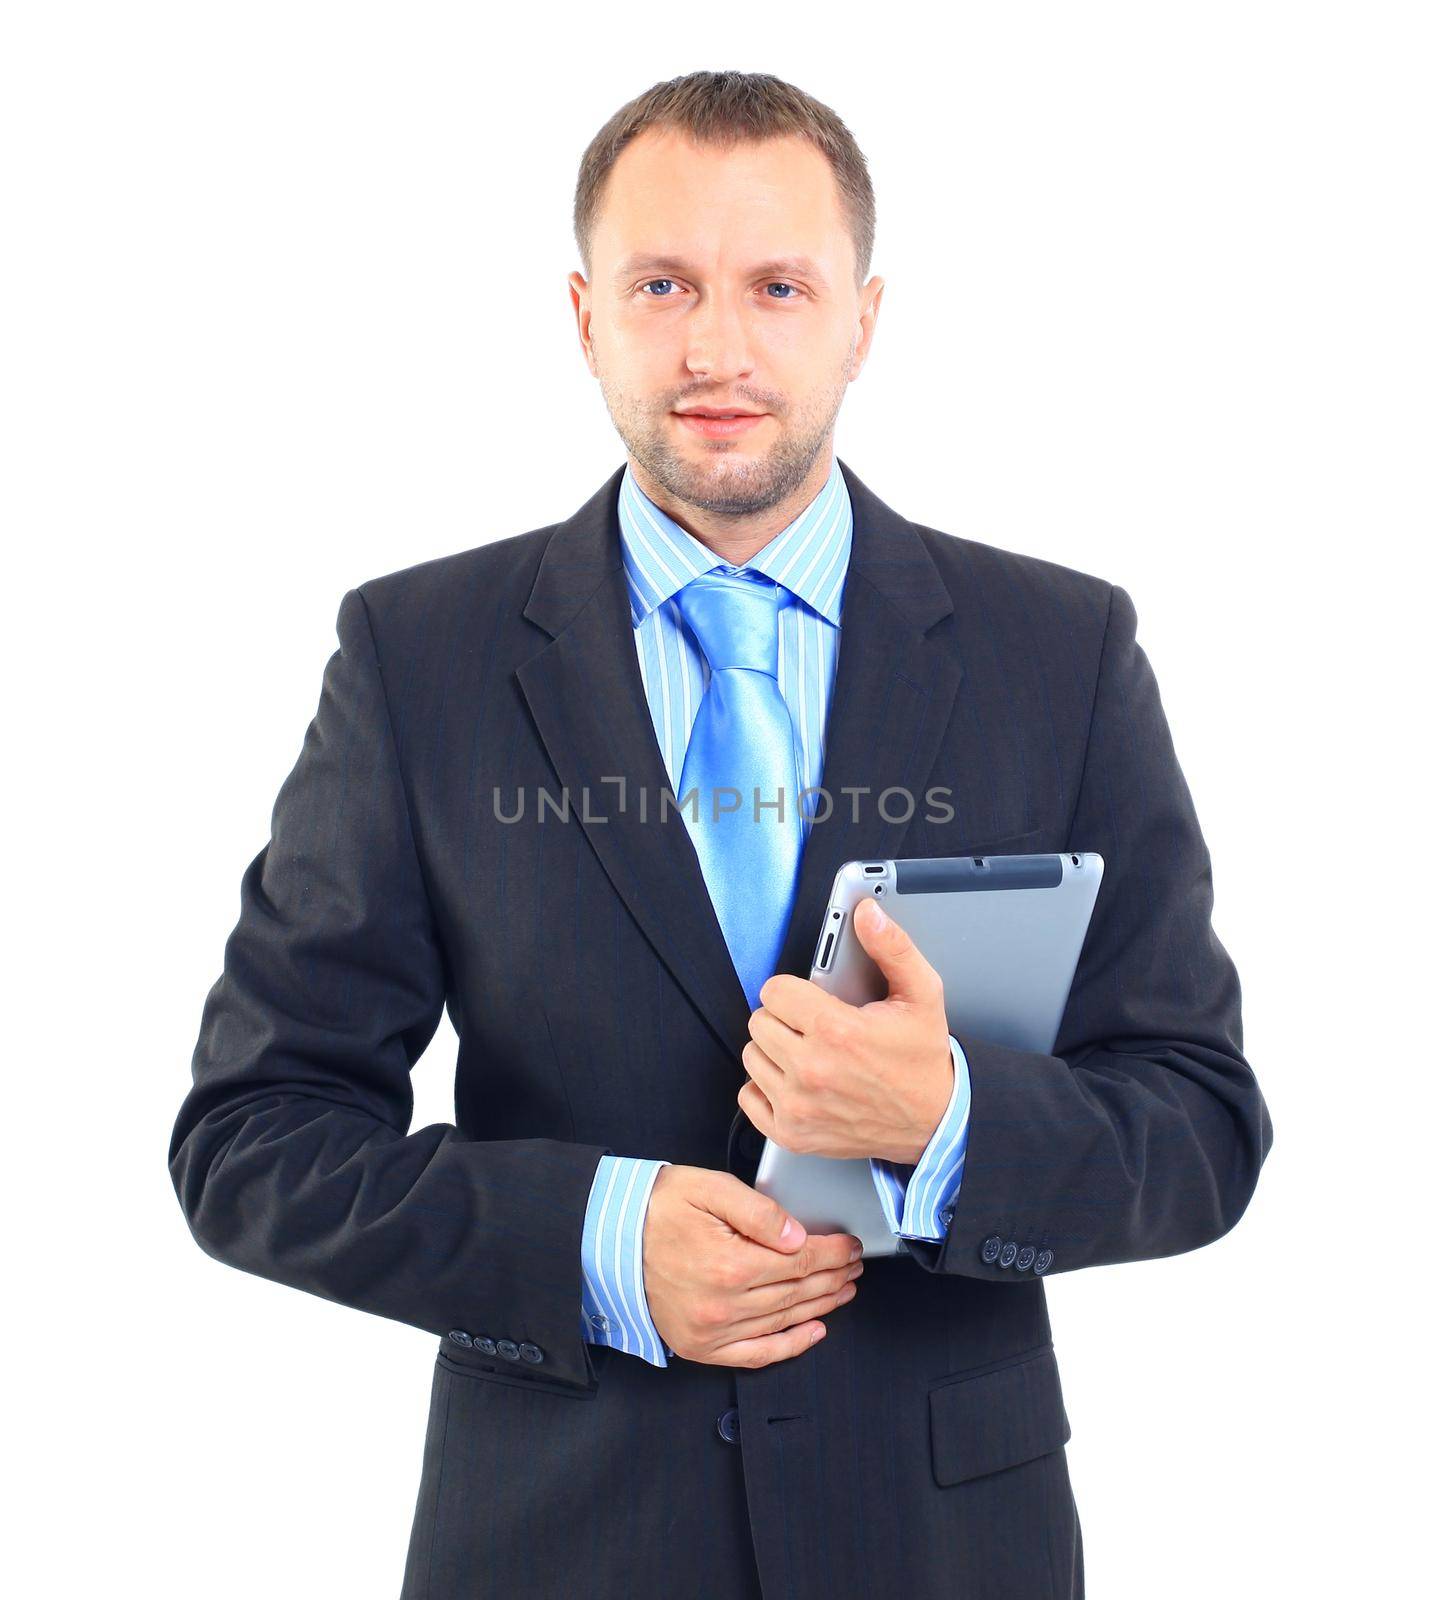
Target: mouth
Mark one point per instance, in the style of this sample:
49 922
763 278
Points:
720 424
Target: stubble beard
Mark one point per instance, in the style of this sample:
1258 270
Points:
728 482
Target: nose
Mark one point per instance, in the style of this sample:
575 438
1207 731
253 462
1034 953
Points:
719 342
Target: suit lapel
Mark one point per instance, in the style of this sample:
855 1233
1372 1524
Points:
889 706
890 703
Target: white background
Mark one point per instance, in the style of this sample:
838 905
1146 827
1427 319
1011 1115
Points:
285 308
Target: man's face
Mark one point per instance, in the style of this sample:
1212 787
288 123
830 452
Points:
724 279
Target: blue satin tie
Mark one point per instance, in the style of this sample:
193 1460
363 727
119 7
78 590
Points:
743 739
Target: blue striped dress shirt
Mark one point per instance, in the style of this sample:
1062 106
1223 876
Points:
811 558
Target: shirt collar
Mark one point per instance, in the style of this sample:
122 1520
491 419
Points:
809 557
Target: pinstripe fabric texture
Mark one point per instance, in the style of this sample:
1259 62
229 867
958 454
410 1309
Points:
918 1449
811 558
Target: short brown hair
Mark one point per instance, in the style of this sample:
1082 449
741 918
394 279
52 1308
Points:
723 108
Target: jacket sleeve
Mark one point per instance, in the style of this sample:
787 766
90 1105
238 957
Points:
1143 1134
918 1199
290 1155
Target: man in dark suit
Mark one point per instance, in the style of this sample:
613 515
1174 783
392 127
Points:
476 820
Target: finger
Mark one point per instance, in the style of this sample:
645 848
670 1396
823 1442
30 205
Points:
763 1352
756 1106
768 1298
762 1068
796 1001
898 957
820 1252
761 1224
760 1331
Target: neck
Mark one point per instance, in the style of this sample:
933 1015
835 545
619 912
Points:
738 539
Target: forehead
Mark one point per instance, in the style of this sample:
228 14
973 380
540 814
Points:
669 199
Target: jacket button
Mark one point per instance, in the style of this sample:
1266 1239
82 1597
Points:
460 1336
1007 1255
1025 1259
989 1251
486 1344
728 1425
508 1349
1043 1260
531 1352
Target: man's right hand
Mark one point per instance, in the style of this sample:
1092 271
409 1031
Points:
723 1285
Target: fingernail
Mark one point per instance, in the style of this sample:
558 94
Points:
856 1252
790 1232
818 1333
880 918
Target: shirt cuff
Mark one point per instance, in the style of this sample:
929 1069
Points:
918 1198
614 1310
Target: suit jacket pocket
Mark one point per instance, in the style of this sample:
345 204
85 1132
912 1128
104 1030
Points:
990 1420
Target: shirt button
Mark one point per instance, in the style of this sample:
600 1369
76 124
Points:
598 1321
946 1216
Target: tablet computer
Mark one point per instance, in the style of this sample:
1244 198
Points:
1003 932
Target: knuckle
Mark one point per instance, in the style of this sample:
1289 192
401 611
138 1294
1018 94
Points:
727 1275
798 1135
829 1026
708 1313
842 1026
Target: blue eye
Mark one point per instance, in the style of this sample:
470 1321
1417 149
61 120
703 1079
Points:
775 284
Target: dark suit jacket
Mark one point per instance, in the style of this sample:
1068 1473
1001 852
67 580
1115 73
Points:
916 1451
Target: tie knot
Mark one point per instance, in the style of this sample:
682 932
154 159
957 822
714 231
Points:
735 617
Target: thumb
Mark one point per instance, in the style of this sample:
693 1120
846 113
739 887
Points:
756 1216
896 955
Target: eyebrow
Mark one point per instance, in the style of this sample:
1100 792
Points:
780 267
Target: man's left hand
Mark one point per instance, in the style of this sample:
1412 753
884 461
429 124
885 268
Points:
831 1079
